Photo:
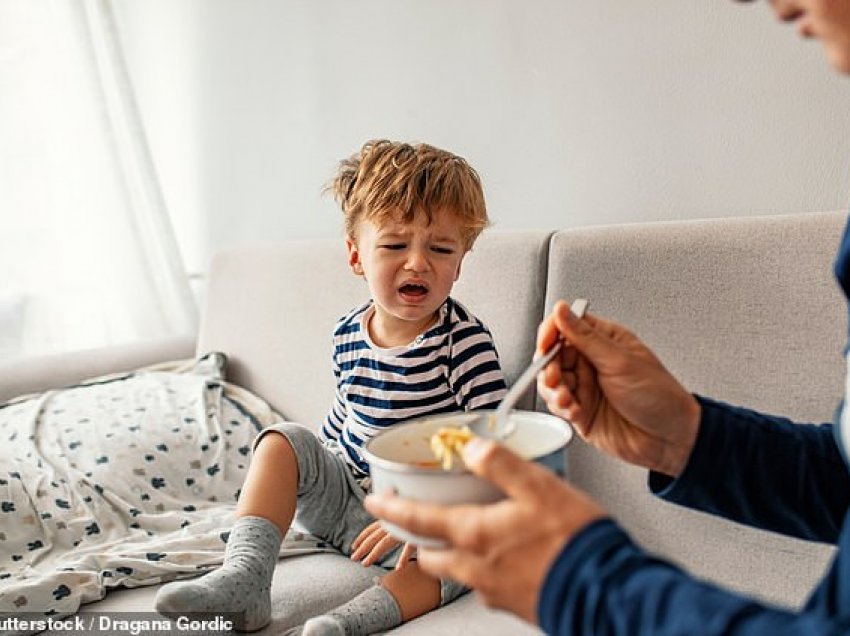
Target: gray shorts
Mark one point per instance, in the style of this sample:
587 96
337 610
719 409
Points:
330 499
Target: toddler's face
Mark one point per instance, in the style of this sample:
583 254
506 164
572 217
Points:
410 267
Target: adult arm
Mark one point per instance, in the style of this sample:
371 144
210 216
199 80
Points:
602 583
764 471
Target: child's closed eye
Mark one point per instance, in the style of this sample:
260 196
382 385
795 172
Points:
443 250
393 246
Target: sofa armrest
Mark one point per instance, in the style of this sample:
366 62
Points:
38 373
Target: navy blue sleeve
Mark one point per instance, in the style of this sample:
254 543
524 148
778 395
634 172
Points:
602 583
764 471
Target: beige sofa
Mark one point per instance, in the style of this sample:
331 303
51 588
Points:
743 310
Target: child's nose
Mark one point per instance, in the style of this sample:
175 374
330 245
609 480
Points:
417 260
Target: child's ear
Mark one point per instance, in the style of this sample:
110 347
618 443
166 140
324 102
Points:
354 257
459 265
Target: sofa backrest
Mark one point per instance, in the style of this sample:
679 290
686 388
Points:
744 310
272 308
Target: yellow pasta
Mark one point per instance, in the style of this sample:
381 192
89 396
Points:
448 442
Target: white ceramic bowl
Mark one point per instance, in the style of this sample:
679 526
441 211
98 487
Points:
399 458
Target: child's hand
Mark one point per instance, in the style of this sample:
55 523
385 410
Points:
407 553
374 542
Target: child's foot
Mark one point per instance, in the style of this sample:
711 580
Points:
374 610
324 625
241 587
211 594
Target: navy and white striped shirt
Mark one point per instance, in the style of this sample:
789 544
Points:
453 366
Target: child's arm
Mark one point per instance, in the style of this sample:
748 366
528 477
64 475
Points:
475 374
332 427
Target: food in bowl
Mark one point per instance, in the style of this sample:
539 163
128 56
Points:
401 460
448 442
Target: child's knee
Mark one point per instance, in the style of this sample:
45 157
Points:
285 438
275 456
273 449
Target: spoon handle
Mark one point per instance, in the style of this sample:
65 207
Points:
524 381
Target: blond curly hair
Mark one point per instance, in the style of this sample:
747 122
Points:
395 180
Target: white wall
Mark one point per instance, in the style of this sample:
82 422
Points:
575 112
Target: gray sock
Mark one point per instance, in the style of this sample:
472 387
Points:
374 610
241 586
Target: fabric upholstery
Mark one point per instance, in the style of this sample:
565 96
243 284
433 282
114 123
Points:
36 374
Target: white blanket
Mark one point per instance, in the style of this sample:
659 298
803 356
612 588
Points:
126 482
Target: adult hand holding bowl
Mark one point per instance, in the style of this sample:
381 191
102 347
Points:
402 461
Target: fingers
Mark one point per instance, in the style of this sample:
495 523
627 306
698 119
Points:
550 329
366 542
372 544
589 335
387 543
366 532
407 553
569 357
547 333
487 576
515 476
562 402
428 520
459 565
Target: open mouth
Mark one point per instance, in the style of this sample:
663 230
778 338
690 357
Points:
413 291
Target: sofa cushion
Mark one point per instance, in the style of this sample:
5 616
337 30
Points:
744 310
309 585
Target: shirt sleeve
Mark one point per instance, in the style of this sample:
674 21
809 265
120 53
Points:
332 426
475 374
602 583
764 471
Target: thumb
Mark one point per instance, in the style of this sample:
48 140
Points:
517 477
582 334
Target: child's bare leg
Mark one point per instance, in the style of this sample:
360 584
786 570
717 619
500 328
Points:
415 591
242 585
271 484
402 595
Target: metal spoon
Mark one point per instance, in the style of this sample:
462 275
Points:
498 425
